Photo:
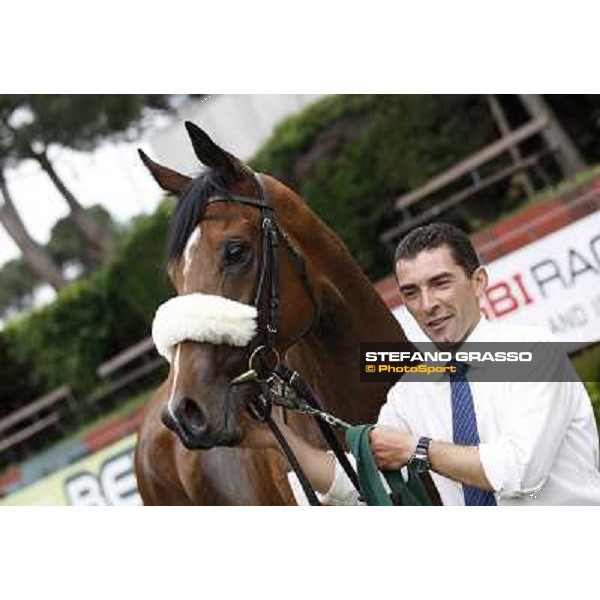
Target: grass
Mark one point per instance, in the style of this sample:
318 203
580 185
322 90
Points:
127 408
554 191
567 185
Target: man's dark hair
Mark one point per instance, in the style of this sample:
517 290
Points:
434 236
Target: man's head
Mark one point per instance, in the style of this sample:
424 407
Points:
441 281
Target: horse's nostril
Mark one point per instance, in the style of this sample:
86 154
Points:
192 415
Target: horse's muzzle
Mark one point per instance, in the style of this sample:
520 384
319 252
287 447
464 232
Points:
191 425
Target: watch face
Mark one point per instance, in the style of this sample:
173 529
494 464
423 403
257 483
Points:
421 466
420 458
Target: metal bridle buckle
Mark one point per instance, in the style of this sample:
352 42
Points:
256 354
252 373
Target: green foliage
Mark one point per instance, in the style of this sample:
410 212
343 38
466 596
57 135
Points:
66 340
593 389
297 134
138 271
351 156
587 365
93 319
17 286
17 384
77 121
69 245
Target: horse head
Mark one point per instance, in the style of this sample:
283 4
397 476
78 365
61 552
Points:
242 285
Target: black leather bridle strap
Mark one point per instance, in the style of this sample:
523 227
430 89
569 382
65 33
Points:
304 391
272 233
269 270
293 461
268 267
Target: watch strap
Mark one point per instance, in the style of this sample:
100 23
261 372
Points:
420 457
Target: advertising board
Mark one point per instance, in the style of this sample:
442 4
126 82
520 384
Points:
553 282
105 478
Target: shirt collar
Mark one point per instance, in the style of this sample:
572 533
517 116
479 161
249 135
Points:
480 333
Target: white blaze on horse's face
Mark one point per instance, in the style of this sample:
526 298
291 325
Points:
170 403
188 254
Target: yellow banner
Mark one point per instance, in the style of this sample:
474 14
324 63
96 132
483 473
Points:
105 478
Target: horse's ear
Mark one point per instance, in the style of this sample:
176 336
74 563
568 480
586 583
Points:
232 169
169 180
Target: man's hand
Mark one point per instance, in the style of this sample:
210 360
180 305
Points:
392 447
318 465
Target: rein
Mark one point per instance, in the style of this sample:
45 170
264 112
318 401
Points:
286 388
277 384
280 379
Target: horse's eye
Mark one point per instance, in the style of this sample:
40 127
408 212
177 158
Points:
234 253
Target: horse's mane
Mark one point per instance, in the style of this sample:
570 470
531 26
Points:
189 211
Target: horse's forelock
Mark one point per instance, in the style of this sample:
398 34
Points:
189 211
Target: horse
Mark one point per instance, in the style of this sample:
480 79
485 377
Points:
195 443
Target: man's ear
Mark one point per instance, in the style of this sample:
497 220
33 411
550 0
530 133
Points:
480 281
168 179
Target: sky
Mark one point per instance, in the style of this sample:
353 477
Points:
112 176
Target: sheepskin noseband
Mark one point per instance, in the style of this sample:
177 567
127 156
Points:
202 318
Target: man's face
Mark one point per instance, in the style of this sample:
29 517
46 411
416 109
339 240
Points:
440 295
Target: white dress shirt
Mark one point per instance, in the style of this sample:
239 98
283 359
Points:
538 440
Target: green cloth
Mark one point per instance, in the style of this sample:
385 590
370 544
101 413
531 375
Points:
373 492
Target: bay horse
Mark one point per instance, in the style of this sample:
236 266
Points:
195 445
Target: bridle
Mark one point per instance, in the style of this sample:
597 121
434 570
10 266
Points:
268 296
279 384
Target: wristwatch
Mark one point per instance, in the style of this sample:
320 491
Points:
420 457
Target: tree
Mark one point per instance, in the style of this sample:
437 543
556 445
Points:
66 248
351 156
33 254
33 125
17 286
67 244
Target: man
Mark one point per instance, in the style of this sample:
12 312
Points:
484 443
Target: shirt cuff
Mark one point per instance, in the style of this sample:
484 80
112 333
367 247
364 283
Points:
500 468
342 491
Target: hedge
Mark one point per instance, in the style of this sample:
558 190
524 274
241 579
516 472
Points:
93 319
350 157
587 365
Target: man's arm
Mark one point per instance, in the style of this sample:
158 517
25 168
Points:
318 465
393 448
461 463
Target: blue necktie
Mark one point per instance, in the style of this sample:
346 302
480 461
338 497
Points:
464 427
